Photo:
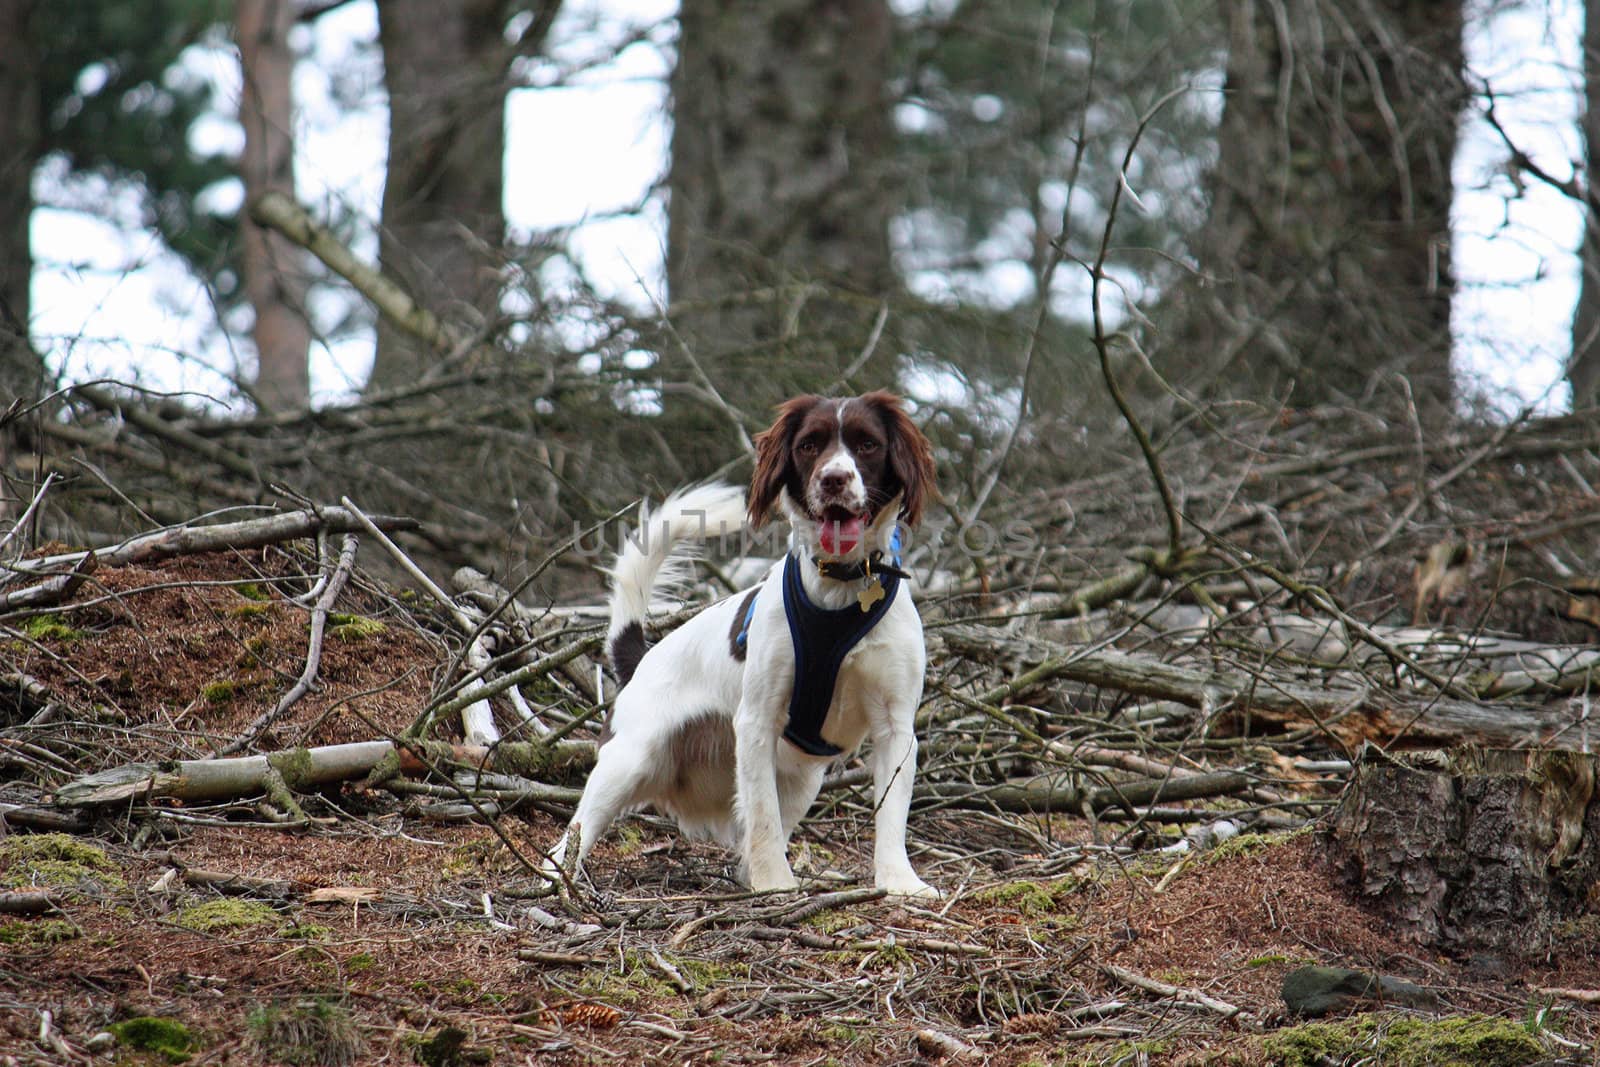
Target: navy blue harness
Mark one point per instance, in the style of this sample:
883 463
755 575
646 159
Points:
821 639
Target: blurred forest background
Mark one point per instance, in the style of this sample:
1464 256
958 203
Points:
1236 212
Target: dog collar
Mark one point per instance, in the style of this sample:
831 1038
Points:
855 570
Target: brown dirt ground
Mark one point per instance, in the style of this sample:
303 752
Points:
682 970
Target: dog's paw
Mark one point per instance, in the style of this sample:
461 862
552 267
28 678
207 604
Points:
775 881
909 887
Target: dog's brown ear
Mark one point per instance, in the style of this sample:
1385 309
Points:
773 457
910 455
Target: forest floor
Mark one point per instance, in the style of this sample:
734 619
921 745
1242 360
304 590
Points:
390 930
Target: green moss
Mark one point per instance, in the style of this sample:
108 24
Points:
831 921
890 956
342 627
704 974
167 1038
316 1032
251 611
1403 1041
629 837
253 591
293 765
446 1048
840 1034
57 861
220 692
1031 899
23 848
306 932
226 913
28 933
49 628
634 982
1241 845
361 961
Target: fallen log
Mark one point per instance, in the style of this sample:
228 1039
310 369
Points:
187 539
305 768
30 902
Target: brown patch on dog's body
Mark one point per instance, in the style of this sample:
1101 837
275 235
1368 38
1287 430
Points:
700 753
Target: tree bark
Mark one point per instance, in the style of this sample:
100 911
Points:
1330 218
1483 850
445 68
274 274
21 370
1583 367
778 237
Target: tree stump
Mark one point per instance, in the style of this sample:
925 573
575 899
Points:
1475 850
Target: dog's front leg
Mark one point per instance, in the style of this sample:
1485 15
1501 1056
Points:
894 769
756 737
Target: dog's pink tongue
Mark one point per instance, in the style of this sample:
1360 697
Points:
840 537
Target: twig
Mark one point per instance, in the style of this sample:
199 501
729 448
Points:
308 673
1102 345
1179 993
27 513
459 617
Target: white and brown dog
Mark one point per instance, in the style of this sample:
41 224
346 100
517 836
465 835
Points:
730 721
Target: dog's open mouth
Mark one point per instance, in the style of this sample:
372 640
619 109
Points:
840 529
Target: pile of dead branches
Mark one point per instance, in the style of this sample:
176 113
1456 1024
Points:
1316 599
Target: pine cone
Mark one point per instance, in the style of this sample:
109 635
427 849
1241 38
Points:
594 1016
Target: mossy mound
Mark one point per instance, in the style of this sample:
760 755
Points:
342 627
1460 1041
1031 899
50 628
32 933
226 914
166 1038
57 861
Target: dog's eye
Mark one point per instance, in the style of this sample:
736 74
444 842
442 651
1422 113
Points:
867 445
807 448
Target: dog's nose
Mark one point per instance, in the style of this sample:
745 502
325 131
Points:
834 482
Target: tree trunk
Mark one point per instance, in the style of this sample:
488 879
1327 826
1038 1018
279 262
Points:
274 274
1482 850
21 372
1330 224
1583 368
778 239
445 67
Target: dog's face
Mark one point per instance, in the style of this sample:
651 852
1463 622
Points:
838 463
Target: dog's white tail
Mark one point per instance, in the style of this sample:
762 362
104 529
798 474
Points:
656 553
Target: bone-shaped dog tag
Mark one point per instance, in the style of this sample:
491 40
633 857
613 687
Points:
870 595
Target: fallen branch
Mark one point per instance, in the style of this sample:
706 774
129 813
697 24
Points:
187 539
29 902
1346 714
277 211
1182 995
302 769
1063 793
51 591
